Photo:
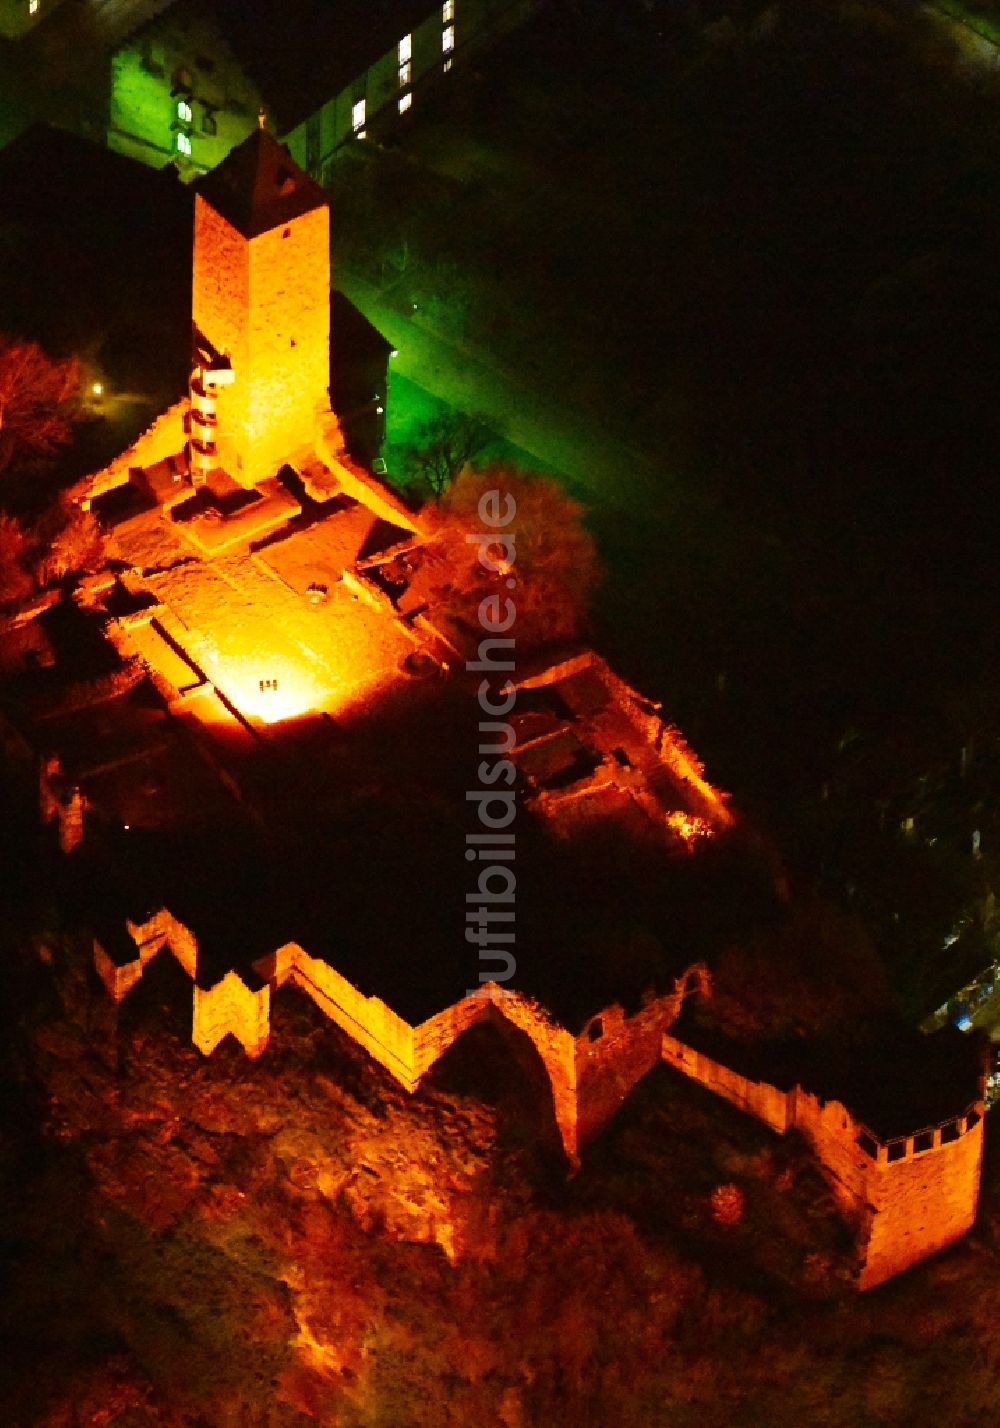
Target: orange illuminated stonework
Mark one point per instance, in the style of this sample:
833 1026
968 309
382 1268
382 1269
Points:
251 598
908 1197
260 304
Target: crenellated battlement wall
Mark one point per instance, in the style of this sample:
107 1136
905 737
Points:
910 1195
907 1197
590 1075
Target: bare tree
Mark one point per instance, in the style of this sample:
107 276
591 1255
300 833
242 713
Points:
71 543
38 402
444 446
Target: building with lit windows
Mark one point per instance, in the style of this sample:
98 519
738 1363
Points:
17 17
187 85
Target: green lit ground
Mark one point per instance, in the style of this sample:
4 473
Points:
431 373
412 406
986 25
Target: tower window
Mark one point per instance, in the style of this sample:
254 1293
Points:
448 39
184 111
33 7
405 100
184 145
447 12
358 111
406 49
447 65
209 123
405 74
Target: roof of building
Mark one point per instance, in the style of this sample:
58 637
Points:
302 53
259 186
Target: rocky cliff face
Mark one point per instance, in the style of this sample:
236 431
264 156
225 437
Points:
255 1192
218 1243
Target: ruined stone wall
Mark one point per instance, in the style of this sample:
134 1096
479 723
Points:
908 1197
833 1134
118 979
386 1037
757 1098
62 803
433 1037
350 478
614 1052
164 438
231 1008
555 1046
588 1079
673 749
165 930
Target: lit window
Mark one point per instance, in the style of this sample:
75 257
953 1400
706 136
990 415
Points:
405 100
33 7
184 145
447 11
405 74
448 39
406 49
184 111
358 111
446 66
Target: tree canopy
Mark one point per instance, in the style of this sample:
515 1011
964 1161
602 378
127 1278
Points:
555 563
38 402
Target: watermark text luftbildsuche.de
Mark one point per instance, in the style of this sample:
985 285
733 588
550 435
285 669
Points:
490 906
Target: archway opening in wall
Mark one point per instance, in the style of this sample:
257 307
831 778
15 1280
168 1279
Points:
161 1004
498 1065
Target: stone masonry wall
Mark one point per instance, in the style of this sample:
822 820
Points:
756 1098
614 1052
230 1007
386 1037
289 334
923 1202
909 1197
263 301
62 803
589 1078
219 296
164 438
674 750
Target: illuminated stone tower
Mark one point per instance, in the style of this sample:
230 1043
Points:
260 311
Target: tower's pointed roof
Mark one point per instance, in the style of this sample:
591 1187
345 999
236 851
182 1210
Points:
259 186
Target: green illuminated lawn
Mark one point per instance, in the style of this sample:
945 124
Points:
411 406
985 25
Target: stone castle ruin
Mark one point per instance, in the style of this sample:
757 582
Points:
246 596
